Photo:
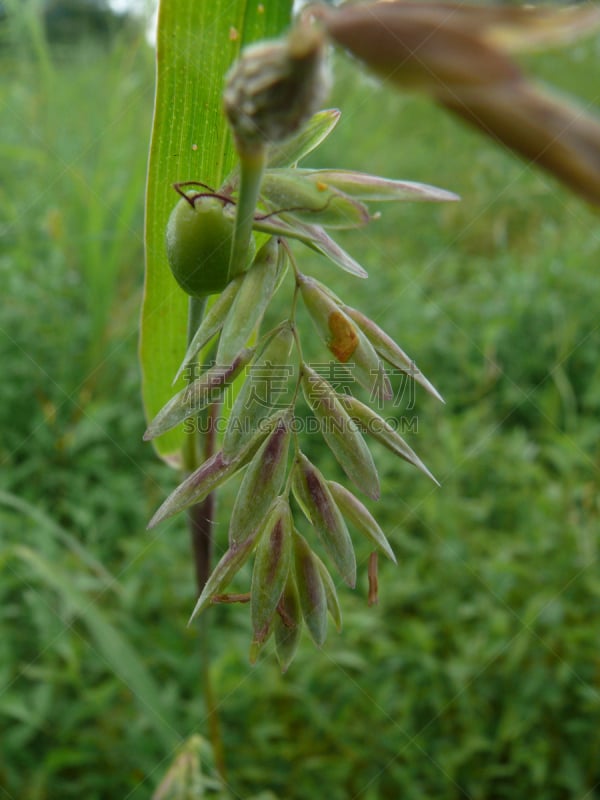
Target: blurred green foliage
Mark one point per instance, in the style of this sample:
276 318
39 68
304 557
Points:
66 22
478 674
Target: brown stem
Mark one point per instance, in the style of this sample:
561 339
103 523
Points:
201 520
202 516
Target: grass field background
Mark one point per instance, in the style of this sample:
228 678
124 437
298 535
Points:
478 674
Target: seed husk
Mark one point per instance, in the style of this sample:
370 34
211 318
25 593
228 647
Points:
360 517
261 484
287 624
341 433
314 497
271 568
269 371
381 430
199 394
211 324
250 302
311 590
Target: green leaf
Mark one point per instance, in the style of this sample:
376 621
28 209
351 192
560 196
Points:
190 141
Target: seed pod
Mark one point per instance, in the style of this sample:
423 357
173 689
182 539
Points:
271 568
360 517
222 575
380 429
341 433
199 394
344 339
199 236
333 326
287 624
211 324
261 484
314 498
211 474
333 604
250 302
265 382
311 591
390 351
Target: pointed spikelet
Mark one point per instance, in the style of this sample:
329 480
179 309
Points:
261 484
314 498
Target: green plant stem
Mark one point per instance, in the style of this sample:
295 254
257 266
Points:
196 308
201 523
252 166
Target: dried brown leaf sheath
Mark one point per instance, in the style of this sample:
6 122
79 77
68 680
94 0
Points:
433 48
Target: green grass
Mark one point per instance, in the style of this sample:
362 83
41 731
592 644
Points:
477 675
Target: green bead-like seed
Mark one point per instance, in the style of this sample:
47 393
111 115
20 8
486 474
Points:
199 245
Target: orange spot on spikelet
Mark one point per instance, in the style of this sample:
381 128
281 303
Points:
344 339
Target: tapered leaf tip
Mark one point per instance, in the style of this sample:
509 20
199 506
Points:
157 517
